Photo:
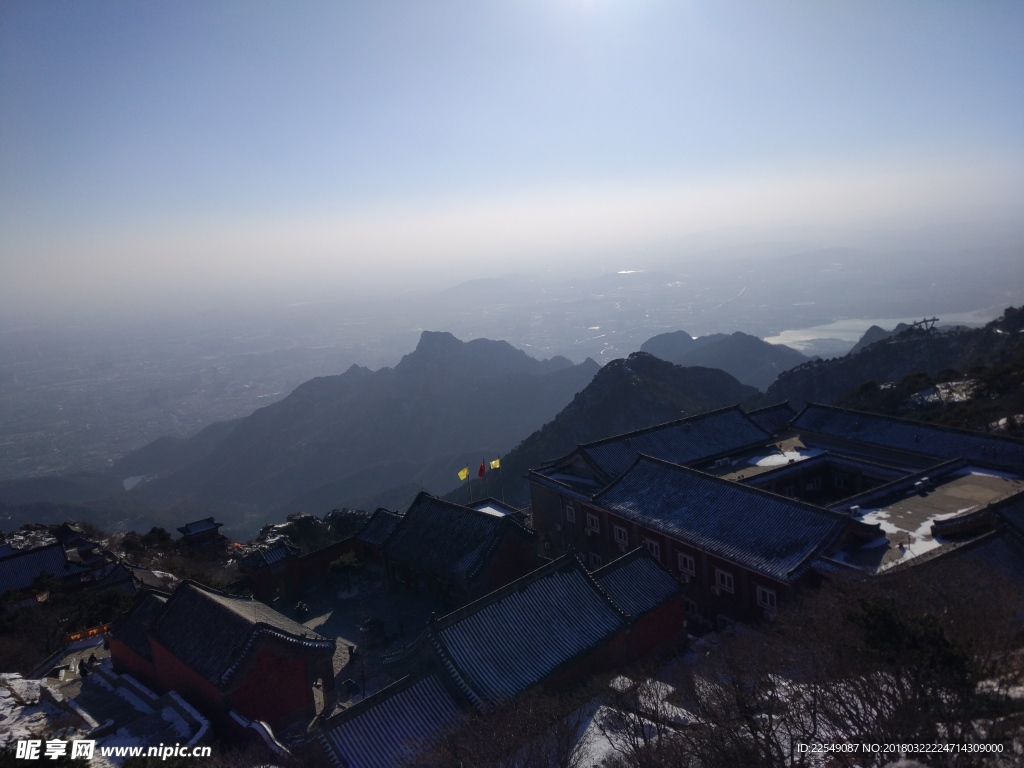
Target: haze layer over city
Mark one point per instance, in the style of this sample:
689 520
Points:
203 206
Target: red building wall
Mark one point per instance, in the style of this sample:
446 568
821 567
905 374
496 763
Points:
516 556
273 686
125 660
656 627
199 692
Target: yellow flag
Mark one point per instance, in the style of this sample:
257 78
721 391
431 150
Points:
496 463
464 473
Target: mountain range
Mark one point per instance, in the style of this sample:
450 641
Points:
894 357
366 438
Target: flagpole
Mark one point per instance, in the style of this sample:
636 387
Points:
501 477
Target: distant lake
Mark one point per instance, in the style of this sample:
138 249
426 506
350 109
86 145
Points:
848 332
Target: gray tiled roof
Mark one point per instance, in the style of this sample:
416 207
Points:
18 571
512 639
133 629
680 442
768 534
447 539
266 555
212 632
637 582
912 436
393 726
379 527
773 418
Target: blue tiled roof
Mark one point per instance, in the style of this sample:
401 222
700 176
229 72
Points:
636 582
394 725
514 638
766 533
912 436
773 418
18 571
680 442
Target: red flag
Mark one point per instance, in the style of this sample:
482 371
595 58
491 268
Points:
482 470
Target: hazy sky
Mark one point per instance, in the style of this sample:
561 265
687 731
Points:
152 150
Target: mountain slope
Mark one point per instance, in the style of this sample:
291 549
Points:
363 431
914 351
749 359
639 391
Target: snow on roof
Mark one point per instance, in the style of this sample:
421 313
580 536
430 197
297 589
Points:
907 514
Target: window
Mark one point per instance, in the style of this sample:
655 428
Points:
815 484
570 513
766 598
595 560
689 607
592 523
725 623
789 491
654 548
621 536
687 566
842 481
723 580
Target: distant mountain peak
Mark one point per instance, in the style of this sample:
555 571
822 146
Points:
433 342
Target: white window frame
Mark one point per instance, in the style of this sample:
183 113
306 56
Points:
621 535
815 484
842 481
654 547
570 513
766 598
595 560
724 581
689 607
682 559
593 522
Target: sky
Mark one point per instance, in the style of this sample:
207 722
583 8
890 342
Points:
162 153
